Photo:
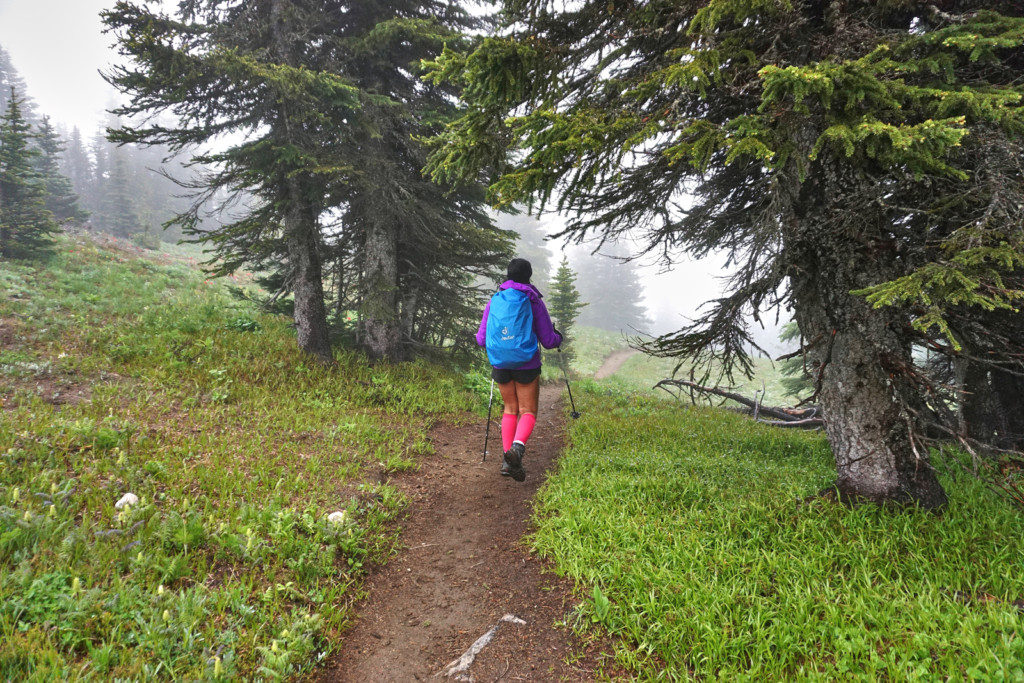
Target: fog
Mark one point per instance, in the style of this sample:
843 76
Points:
59 48
674 294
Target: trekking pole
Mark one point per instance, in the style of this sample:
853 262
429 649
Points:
575 413
487 433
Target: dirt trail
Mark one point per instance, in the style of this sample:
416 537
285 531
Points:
613 362
464 566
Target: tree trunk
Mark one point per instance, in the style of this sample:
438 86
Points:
1008 394
859 366
301 231
307 279
975 410
862 394
381 322
409 315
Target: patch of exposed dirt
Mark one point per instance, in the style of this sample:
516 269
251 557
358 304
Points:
54 388
464 566
614 362
9 332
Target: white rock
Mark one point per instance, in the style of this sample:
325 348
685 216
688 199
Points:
126 500
338 517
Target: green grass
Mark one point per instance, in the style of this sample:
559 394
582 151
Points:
238 448
641 372
685 527
592 345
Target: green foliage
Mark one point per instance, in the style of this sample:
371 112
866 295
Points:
564 305
26 226
796 381
237 447
61 199
688 530
741 100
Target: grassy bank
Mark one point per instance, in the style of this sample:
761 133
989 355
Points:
124 374
686 527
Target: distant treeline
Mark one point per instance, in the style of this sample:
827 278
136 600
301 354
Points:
122 190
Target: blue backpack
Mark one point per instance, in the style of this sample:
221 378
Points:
511 341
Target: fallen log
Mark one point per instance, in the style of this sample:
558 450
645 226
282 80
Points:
801 418
808 423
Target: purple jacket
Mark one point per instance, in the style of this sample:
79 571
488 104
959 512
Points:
542 326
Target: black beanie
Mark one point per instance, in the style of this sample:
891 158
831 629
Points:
520 270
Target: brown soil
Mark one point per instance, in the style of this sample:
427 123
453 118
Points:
464 566
613 362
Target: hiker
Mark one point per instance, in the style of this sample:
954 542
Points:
514 321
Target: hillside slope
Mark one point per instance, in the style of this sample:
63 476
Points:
127 374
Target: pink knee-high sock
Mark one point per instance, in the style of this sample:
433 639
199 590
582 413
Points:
508 430
525 428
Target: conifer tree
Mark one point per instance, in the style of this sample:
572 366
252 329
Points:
330 87
100 150
836 152
26 227
531 242
564 304
76 164
61 199
260 68
422 247
613 291
118 200
10 82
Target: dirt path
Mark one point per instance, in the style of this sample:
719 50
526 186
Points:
464 566
613 362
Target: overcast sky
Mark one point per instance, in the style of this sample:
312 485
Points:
59 48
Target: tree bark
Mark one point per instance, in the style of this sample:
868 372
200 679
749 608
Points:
975 410
863 394
860 371
1008 392
301 234
381 322
301 231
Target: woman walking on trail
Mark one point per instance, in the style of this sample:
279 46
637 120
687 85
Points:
514 321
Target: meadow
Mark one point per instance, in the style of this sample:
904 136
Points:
641 372
128 374
699 542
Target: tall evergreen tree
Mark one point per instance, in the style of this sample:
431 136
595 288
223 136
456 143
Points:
421 245
118 201
333 84
811 137
26 226
260 68
95 197
565 304
613 291
10 82
61 199
76 164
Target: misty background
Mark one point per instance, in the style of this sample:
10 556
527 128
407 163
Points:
59 49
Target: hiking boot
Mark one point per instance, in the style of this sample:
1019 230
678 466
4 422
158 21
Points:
514 459
506 469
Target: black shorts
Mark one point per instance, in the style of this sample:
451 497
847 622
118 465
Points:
521 376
